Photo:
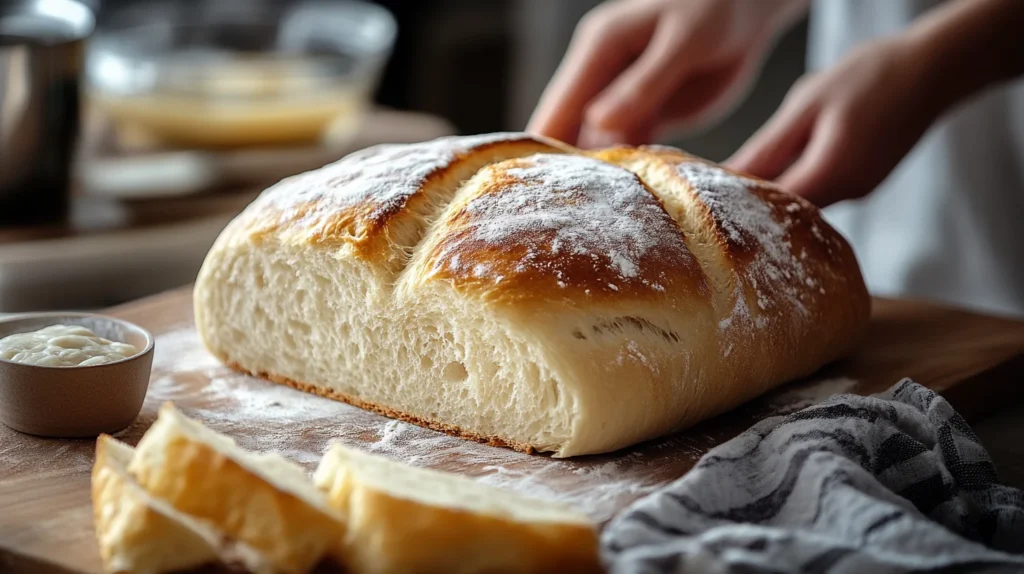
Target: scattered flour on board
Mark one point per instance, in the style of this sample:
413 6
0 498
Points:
182 350
265 416
598 488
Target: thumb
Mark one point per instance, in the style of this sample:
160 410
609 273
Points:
817 175
601 47
633 101
779 142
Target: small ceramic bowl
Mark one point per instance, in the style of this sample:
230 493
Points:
75 402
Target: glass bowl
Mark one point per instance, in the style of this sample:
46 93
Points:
239 74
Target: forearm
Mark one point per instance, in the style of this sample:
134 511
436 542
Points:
967 46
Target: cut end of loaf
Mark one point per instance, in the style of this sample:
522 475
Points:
360 342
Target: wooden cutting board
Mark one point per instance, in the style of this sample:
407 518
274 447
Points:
46 515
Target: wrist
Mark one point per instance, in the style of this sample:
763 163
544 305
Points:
934 76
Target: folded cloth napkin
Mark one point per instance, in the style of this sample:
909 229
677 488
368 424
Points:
892 483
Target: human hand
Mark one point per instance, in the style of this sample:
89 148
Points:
840 132
637 67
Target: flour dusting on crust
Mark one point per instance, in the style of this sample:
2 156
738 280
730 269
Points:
569 212
380 178
750 223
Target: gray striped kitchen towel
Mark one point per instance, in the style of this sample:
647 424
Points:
892 483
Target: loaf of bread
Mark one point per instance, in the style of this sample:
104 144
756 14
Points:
403 519
261 500
515 290
139 534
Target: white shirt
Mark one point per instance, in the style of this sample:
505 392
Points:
948 223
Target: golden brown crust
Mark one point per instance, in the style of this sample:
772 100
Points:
804 268
379 202
389 412
357 200
563 228
773 250
805 226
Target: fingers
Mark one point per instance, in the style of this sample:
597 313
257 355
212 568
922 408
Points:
702 94
591 138
770 151
805 157
817 174
603 45
632 103
803 147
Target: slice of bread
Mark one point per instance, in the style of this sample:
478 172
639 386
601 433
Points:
139 534
261 500
409 519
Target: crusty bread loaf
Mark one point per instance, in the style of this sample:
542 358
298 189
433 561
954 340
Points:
261 500
408 520
139 534
516 290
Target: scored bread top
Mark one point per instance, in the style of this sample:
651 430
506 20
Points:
511 217
566 227
357 200
761 247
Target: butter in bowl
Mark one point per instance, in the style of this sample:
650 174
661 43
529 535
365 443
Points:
72 375
229 75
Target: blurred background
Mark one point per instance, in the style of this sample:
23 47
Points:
190 108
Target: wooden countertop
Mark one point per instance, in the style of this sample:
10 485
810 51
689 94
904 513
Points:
46 517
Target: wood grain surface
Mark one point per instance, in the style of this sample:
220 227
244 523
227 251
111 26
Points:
46 514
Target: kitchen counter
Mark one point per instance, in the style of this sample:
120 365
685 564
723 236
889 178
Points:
975 361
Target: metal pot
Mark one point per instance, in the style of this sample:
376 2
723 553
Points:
41 59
